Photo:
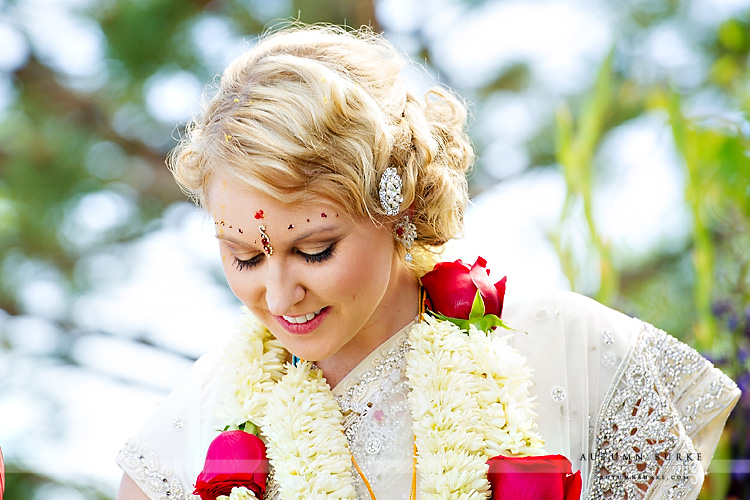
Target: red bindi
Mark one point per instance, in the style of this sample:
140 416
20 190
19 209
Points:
259 214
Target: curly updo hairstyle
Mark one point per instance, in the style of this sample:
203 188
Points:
318 110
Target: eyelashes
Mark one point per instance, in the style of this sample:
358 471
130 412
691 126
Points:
242 265
320 256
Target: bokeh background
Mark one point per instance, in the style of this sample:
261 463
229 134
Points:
613 141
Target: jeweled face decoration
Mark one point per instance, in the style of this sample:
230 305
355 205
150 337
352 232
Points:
315 276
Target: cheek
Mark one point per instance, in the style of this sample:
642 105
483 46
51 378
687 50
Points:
368 268
244 290
241 286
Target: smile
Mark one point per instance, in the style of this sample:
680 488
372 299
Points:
302 319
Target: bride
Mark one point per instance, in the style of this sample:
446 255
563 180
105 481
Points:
366 370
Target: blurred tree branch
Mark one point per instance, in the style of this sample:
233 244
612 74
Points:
43 94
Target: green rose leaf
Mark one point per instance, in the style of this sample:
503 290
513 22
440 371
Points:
477 317
249 427
477 307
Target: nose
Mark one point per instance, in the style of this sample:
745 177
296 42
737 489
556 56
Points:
283 289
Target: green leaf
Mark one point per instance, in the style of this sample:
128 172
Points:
477 308
488 322
463 324
484 323
249 427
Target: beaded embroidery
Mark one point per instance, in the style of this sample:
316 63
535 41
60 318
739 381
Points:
375 411
142 465
643 416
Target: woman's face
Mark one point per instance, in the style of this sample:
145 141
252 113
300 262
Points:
323 278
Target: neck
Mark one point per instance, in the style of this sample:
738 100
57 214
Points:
398 308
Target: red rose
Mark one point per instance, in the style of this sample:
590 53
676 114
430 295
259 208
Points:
2 475
234 458
452 287
546 477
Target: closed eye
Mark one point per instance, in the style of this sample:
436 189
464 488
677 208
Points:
318 257
242 265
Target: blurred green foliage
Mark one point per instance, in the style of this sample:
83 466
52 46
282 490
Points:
701 291
65 137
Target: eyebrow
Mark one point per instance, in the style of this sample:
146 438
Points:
298 238
231 240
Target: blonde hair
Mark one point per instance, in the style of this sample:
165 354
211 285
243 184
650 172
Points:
321 111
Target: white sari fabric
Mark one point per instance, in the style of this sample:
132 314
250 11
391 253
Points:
637 411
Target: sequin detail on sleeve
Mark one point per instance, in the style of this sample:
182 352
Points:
143 466
663 393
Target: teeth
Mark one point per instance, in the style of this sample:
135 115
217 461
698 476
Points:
302 319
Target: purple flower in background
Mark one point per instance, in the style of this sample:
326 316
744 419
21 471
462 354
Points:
740 469
743 382
732 322
720 307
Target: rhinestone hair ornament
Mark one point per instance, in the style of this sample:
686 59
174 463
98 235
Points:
390 191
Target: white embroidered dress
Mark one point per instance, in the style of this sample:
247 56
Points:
638 412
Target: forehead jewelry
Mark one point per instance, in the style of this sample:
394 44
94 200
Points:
267 248
390 191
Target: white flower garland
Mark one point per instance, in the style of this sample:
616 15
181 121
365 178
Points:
469 400
307 446
238 493
253 364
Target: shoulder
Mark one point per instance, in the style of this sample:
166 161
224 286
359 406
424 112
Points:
166 454
556 313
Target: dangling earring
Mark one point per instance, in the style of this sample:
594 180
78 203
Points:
391 198
405 233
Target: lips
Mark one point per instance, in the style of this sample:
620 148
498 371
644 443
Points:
305 323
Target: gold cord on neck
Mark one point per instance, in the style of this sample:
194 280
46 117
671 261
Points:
412 495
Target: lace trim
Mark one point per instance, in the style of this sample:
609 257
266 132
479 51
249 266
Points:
143 466
375 411
643 443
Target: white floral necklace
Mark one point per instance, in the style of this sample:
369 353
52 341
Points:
469 401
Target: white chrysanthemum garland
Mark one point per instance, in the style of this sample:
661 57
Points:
469 401
505 401
252 364
461 404
307 446
238 493
307 449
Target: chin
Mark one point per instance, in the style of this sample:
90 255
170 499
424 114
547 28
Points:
308 352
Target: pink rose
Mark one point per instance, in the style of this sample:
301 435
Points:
234 458
2 475
546 477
